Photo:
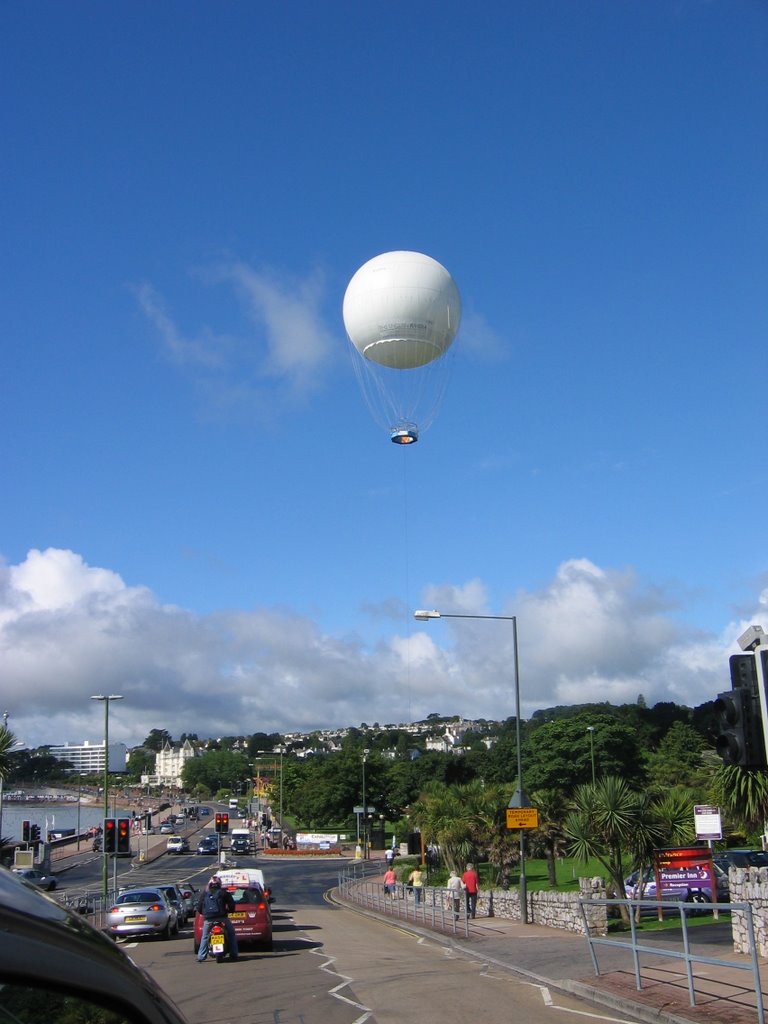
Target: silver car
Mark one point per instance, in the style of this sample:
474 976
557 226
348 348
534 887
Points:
42 881
175 897
189 894
143 911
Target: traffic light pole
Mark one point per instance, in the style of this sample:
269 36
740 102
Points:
761 655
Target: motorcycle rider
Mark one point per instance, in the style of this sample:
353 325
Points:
214 904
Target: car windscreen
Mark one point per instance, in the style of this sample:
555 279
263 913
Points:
253 894
148 896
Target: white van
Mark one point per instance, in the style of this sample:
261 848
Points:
233 803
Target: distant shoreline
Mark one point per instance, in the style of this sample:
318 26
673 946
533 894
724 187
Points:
58 796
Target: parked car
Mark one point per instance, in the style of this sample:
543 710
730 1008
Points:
189 894
685 892
177 844
251 917
38 878
58 967
143 911
208 844
175 898
741 859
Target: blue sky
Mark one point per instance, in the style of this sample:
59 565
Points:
198 511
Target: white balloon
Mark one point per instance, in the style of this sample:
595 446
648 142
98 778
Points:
402 310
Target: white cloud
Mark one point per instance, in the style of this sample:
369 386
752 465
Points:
287 313
69 630
281 353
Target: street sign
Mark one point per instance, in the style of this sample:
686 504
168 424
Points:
522 817
707 822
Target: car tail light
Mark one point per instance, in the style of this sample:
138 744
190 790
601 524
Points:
262 906
155 906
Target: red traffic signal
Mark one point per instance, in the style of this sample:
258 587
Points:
222 823
123 835
110 840
25 832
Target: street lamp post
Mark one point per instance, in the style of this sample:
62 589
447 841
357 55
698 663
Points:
105 862
365 810
591 731
2 777
519 798
281 750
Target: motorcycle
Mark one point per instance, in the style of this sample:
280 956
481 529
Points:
217 942
96 847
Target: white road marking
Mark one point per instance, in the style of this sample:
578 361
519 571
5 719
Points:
335 991
548 1001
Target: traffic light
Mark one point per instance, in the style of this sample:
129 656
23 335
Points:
110 839
222 823
34 833
25 832
123 835
743 672
740 740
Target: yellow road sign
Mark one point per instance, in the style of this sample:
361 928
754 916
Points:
522 817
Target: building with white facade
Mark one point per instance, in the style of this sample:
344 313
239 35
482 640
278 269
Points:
169 763
88 758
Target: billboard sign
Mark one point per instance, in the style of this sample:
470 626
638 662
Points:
684 872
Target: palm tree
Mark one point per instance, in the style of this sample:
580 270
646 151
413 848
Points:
466 821
743 792
553 807
608 818
7 742
445 816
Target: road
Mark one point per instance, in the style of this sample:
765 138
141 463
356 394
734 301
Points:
332 966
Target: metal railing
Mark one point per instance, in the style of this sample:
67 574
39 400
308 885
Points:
430 906
685 910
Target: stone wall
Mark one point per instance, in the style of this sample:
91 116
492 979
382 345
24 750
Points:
550 909
750 885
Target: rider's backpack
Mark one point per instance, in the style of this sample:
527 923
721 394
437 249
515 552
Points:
211 904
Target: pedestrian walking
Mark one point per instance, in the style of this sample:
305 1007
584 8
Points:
455 888
390 881
471 881
416 881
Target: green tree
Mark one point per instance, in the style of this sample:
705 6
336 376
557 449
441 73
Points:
446 816
467 822
678 759
140 762
608 818
553 807
7 743
215 770
743 793
157 739
558 754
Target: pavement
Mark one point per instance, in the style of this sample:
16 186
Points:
561 961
